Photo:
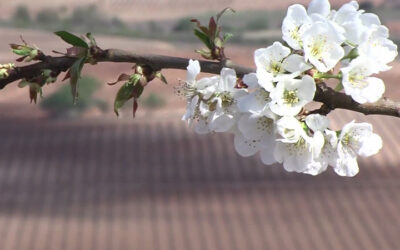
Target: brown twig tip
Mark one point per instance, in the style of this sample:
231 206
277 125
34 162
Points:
330 98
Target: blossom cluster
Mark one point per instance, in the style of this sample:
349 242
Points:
266 110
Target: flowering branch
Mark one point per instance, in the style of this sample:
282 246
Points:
265 110
324 94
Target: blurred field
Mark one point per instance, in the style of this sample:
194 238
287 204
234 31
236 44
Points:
98 182
135 10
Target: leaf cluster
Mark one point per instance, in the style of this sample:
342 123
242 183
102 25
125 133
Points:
212 37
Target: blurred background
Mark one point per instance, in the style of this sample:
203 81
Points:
76 177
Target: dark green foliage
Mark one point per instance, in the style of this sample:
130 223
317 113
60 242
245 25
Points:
183 24
257 24
47 16
21 14
72 39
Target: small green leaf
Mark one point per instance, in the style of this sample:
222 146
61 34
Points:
91 39
123 95
223 11
75 74
227 37
127 91
204 38
205 54
201 27
122 77
72 39
134 79
218 42
22 52
160 76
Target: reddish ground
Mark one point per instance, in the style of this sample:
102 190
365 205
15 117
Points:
107 183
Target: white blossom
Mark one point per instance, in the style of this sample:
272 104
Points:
355 139
296 150
274 61
359 84
327 156
195 90
294 25
290 95
319 125
257 100
223 104
350 18
322 46
378 47
257 134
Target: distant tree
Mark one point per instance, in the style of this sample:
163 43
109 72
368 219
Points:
47 16
183 24
21 14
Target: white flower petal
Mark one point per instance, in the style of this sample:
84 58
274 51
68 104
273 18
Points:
201 127
347 167
317 122
321 7
306 90
371 145
244 146
251 80
190 110
294 24
369 19
296 63
265 79
267 154
193 69
290 129
221 122
252 103
227 80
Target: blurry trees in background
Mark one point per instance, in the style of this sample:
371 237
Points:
60 103
46 16
21 15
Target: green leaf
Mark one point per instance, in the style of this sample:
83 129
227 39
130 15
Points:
122 77
75 74
218 42
223 11
204 38
160 76
91 39
72 39
201 27
227 37
127 91
22 52
205 54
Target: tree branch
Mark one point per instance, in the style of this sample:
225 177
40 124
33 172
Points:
329 97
